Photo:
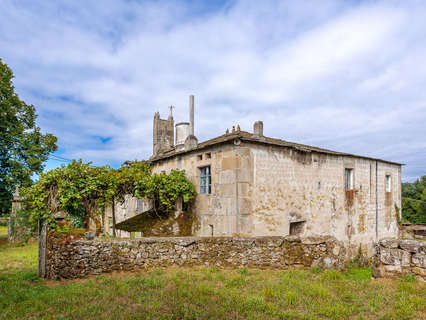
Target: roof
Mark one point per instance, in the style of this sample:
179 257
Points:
249 137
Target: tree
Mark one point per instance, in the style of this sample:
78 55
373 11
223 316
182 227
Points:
23 148
414 201
83 191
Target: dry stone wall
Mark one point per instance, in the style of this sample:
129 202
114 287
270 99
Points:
70 257
399 257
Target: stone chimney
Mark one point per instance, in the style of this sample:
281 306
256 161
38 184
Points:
258 129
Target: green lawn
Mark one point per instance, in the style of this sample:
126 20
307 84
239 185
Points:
204 293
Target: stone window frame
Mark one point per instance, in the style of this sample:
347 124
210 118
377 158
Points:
351 170
388 182
205 187
388 194
349 190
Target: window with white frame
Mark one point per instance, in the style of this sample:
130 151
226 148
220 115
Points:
388 183
205 180
349 179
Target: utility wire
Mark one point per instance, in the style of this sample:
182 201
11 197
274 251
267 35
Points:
60 158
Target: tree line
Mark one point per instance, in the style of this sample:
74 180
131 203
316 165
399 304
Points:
414 201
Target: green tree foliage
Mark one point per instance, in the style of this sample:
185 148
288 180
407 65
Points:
78 188
414 201
82 190
23 148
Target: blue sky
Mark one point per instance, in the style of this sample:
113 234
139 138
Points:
344 75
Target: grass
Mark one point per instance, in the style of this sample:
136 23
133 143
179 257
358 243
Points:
204 293
3 232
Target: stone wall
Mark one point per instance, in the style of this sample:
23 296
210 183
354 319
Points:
73 257
399 257
262 190
413 231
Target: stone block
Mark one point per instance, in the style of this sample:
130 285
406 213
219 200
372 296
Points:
389 243
243 189
227 176
292 239
393 269
419 260
230 163
244 205
244 175
227 190
405 259
391 256
410 245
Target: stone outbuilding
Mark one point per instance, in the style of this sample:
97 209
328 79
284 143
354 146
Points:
252 185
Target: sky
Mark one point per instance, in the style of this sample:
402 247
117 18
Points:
344 75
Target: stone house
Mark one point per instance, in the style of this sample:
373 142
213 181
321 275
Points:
250 185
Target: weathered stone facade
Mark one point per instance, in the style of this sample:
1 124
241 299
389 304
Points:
398 257
260 189
262 186
71 257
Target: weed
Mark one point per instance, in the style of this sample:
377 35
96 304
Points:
331 275
316 270
290 298
243 271
408 278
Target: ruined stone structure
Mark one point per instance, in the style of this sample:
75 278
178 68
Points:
399 257
252 185
18 228
68 256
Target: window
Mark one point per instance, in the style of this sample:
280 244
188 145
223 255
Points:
388 189
208 155
349 179
139 205
205 180
200 157
296 228
388 183
349 186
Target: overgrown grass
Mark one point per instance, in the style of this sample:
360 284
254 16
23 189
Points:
204 293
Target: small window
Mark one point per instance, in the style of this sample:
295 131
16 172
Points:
139 205
349 179
349 186
205 180
296 228
208 155
200 157
388 183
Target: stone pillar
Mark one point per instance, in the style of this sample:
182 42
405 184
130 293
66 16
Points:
42 238
13 225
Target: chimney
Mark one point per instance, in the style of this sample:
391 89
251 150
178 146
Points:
258 129
191 114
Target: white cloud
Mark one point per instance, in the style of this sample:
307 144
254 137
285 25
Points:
348 76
